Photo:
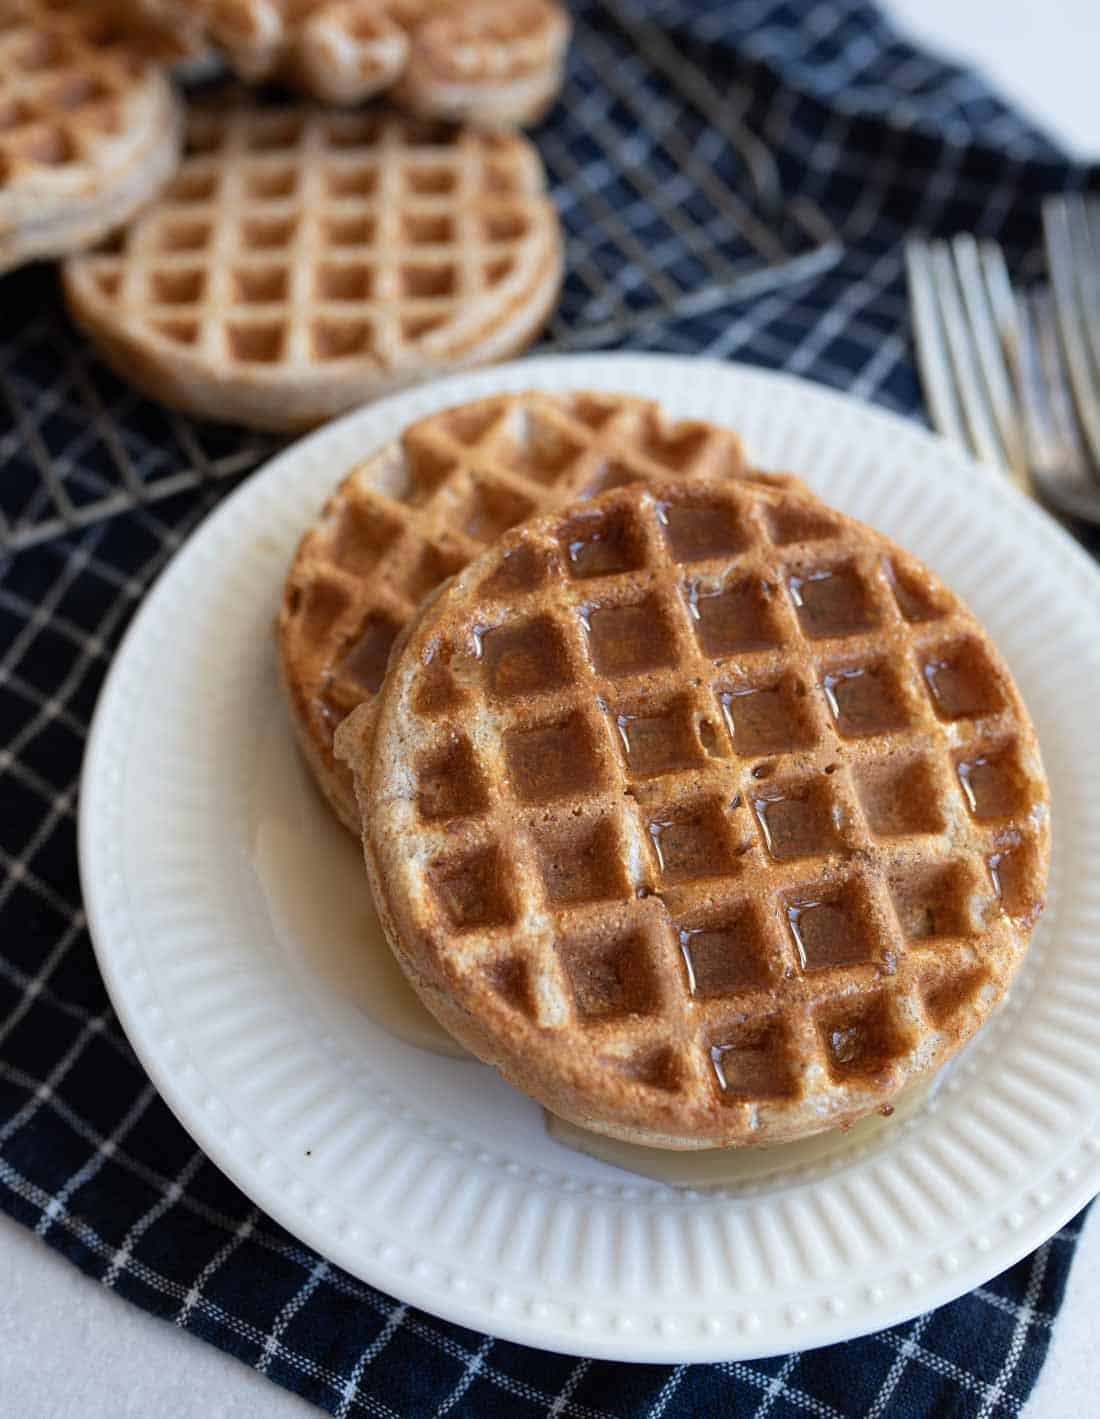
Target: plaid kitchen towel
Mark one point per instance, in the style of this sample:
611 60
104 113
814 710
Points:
735 177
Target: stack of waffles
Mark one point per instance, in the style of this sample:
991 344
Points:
706 814
298 259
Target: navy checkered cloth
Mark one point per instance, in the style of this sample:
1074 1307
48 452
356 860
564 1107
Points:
736 177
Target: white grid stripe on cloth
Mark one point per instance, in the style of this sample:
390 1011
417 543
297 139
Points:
565 1393
88 1169
88 648
668 1389
317 1273
1023 1321
176 1189
905 1353
388 1331
474 1367
44 1090
777 1386
20 875
220 1257
797 1399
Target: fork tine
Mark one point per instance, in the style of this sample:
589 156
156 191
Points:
989 338
1039 419
1092 221
1085 256
1061 220
1056 453
1089 271
1065 426
964 359
932 356
1006 313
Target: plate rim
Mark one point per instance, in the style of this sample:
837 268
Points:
210 1137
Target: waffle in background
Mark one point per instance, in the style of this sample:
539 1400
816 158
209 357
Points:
490 61
305 260
420 509
678 187
706 814
89 127
478 61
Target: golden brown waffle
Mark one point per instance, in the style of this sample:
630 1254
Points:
482 61
89 128
179 27
493 61
304 261
704 813
420 509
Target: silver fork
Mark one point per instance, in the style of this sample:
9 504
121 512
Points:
993 371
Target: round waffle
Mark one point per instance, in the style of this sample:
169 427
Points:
494 61
304 261
488 61
416 512
89 128
706 814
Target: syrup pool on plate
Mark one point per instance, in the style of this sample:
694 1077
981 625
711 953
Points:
326 912
737 1167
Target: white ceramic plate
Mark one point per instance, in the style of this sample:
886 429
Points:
228 914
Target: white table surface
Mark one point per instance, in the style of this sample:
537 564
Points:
70 1348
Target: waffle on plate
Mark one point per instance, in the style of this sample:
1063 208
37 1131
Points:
705 813
417 511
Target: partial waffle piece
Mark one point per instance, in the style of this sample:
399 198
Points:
483 61
492 61
707 815
89 128
421 508
178 26
304 261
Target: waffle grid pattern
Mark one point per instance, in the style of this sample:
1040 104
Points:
491 61
89 128
65 84
468 476
412 516
292 239
702 786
